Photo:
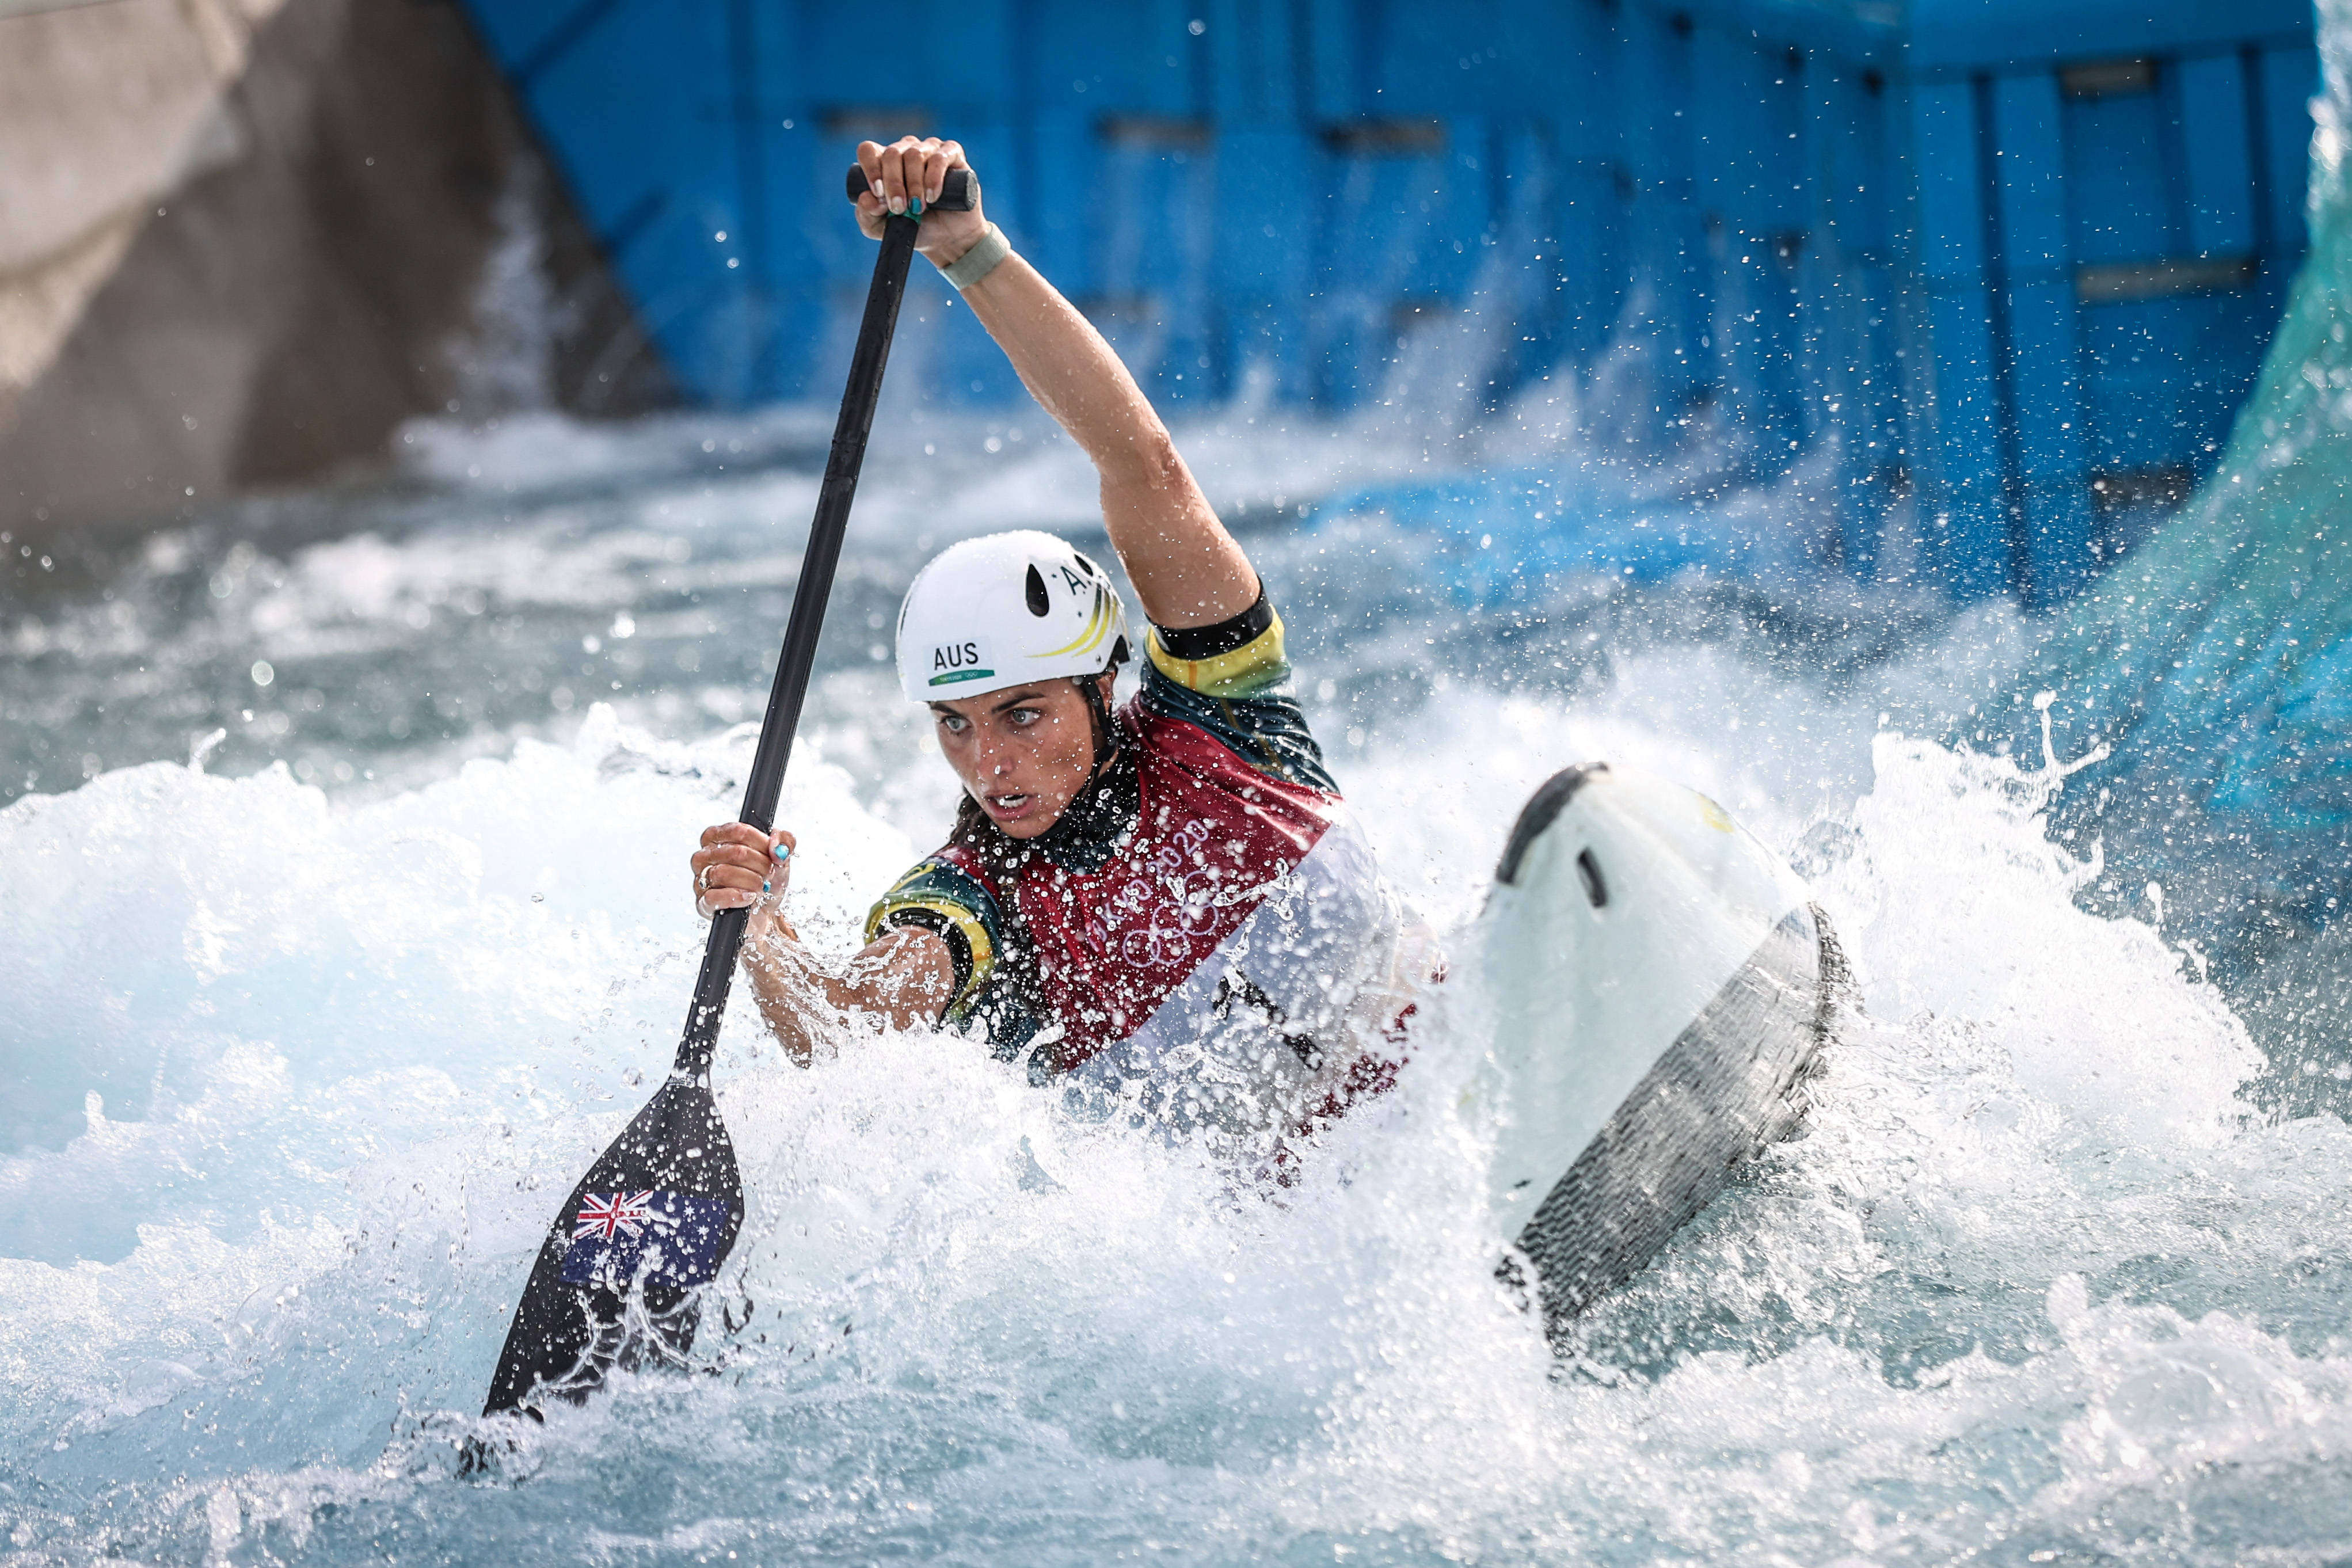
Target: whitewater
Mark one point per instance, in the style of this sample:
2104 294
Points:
343 918
304 1056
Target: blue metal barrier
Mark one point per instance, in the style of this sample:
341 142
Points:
2016 258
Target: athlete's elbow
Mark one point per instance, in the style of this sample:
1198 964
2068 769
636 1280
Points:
1148 460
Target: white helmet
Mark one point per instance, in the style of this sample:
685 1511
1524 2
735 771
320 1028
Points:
1004 610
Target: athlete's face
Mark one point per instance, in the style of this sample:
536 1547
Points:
1023 755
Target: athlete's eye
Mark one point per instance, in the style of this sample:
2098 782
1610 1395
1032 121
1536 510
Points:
1022 717
954 724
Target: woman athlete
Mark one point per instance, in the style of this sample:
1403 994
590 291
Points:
1164 908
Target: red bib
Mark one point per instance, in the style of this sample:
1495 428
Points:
1211 837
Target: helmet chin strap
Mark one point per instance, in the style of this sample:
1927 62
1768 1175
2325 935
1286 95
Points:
1099 713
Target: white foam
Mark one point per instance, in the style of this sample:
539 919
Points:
350 1055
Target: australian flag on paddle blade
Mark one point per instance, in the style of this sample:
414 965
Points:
667 1238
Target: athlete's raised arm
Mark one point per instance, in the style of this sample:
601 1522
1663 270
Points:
1186 568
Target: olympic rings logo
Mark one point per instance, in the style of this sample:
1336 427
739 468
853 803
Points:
1172 936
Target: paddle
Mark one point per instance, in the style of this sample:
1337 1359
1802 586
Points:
657 1213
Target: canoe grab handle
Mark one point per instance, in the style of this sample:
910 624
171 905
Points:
1588 871
1542 808
959 191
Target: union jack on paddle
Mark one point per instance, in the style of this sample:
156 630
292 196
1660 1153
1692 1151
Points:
603 1213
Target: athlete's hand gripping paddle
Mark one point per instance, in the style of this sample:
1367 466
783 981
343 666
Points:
657 1213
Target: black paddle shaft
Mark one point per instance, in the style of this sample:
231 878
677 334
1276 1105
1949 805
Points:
659 1210
958 193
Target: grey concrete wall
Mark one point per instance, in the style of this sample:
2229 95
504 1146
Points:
242 240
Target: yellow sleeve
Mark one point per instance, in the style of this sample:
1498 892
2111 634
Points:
1244 671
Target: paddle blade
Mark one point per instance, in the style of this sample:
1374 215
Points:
616 1279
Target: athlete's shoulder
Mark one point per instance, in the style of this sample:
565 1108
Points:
1232 680
942 895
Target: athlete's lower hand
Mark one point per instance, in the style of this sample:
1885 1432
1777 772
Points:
738 866
911 170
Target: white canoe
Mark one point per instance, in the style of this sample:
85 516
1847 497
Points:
1661 988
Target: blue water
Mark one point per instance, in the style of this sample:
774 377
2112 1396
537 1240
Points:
308 1025
2215 661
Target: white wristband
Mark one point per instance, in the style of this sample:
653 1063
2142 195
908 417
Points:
979 261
